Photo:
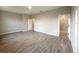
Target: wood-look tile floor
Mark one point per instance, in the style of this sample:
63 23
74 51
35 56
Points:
29 42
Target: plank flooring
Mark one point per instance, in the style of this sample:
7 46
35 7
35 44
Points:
30 42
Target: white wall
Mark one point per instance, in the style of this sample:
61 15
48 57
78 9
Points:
11 22
77 30
74 29
47 22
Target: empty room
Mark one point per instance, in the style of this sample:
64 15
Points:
38 29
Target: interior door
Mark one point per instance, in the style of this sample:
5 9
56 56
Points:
29 24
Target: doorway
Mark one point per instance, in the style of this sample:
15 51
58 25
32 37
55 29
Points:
64 34
29 24
64 25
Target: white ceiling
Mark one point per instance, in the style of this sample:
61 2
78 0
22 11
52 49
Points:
25 10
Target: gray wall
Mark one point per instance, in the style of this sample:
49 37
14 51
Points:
48 22
12 22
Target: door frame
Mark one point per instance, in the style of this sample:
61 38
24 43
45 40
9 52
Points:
69 23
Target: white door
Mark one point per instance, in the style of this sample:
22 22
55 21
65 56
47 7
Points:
29 24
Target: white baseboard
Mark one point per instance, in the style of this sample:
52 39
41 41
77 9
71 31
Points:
47 33
24 31
10 32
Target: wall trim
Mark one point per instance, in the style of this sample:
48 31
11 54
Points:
10 32
47 33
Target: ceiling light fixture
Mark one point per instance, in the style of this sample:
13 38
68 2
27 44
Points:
29 7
